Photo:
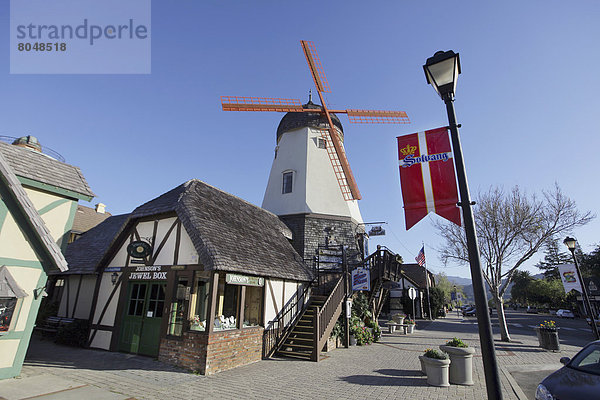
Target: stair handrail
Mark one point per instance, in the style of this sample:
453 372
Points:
276 331
326 312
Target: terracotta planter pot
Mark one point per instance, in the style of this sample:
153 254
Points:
437 371
461 364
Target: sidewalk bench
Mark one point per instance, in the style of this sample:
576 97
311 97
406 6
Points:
51 324
393 325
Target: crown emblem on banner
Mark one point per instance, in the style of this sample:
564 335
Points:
408 150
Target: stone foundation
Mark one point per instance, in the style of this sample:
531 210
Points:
219 351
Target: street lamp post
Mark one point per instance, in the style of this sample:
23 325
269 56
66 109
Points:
442 72
571 243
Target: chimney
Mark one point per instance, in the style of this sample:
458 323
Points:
100 208
29 142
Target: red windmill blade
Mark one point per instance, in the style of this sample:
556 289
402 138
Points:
337 154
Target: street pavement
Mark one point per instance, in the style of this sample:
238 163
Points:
384 370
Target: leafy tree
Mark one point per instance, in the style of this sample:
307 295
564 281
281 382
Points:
521 287
442 282
553 258
547 292
511 228
590 263
436 295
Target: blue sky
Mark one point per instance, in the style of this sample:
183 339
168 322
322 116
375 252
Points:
527 100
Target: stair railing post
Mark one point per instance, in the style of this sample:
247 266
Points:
346 296
316 350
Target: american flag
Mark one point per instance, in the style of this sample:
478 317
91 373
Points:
420 258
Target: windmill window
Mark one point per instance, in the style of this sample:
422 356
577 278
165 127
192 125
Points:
287 182
322 143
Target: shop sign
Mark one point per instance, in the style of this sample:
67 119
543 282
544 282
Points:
148 273
360 279
237 279
330 252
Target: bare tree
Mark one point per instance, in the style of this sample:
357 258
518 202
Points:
511 228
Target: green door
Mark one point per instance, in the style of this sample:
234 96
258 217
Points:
140 333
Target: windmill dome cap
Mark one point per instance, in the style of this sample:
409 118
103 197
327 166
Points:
297 120
28 141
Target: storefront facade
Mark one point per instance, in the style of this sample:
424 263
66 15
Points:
191 277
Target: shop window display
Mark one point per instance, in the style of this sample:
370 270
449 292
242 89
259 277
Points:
227 310
178 306
7 307
253 306
199 305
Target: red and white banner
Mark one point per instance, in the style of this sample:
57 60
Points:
427 176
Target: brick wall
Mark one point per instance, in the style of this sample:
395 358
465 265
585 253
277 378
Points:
212 353
230 349
310 231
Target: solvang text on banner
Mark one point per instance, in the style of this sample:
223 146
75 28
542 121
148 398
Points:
427 176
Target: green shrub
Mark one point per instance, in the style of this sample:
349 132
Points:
438 355
456 342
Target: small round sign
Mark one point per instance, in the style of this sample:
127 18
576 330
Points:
139 249
412 293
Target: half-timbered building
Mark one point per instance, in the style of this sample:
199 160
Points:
191 277
38 199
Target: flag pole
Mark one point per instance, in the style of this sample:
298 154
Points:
427 283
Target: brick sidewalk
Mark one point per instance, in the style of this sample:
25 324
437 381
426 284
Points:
388 369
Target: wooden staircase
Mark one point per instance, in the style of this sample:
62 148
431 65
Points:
300 343
310 333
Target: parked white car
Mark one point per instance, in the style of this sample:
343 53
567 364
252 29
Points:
565 314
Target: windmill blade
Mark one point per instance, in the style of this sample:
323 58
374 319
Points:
341 167
316 69
377 117
240 103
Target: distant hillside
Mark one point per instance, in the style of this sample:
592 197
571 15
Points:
468 287
457 280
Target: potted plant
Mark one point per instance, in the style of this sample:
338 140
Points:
436 367
411 325
461 361
547 333
399 318
375 330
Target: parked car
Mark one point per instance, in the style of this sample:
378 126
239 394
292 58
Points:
578 379
532 310
565 314
469 312
597 320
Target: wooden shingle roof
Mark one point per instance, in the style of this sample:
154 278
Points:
228 233
39 167
34 228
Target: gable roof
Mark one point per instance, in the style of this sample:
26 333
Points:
20 205
416 274
86 218
38 167
85 254
228 233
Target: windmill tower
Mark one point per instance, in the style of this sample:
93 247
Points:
311 186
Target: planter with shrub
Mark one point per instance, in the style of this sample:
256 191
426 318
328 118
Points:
436 367
461 361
